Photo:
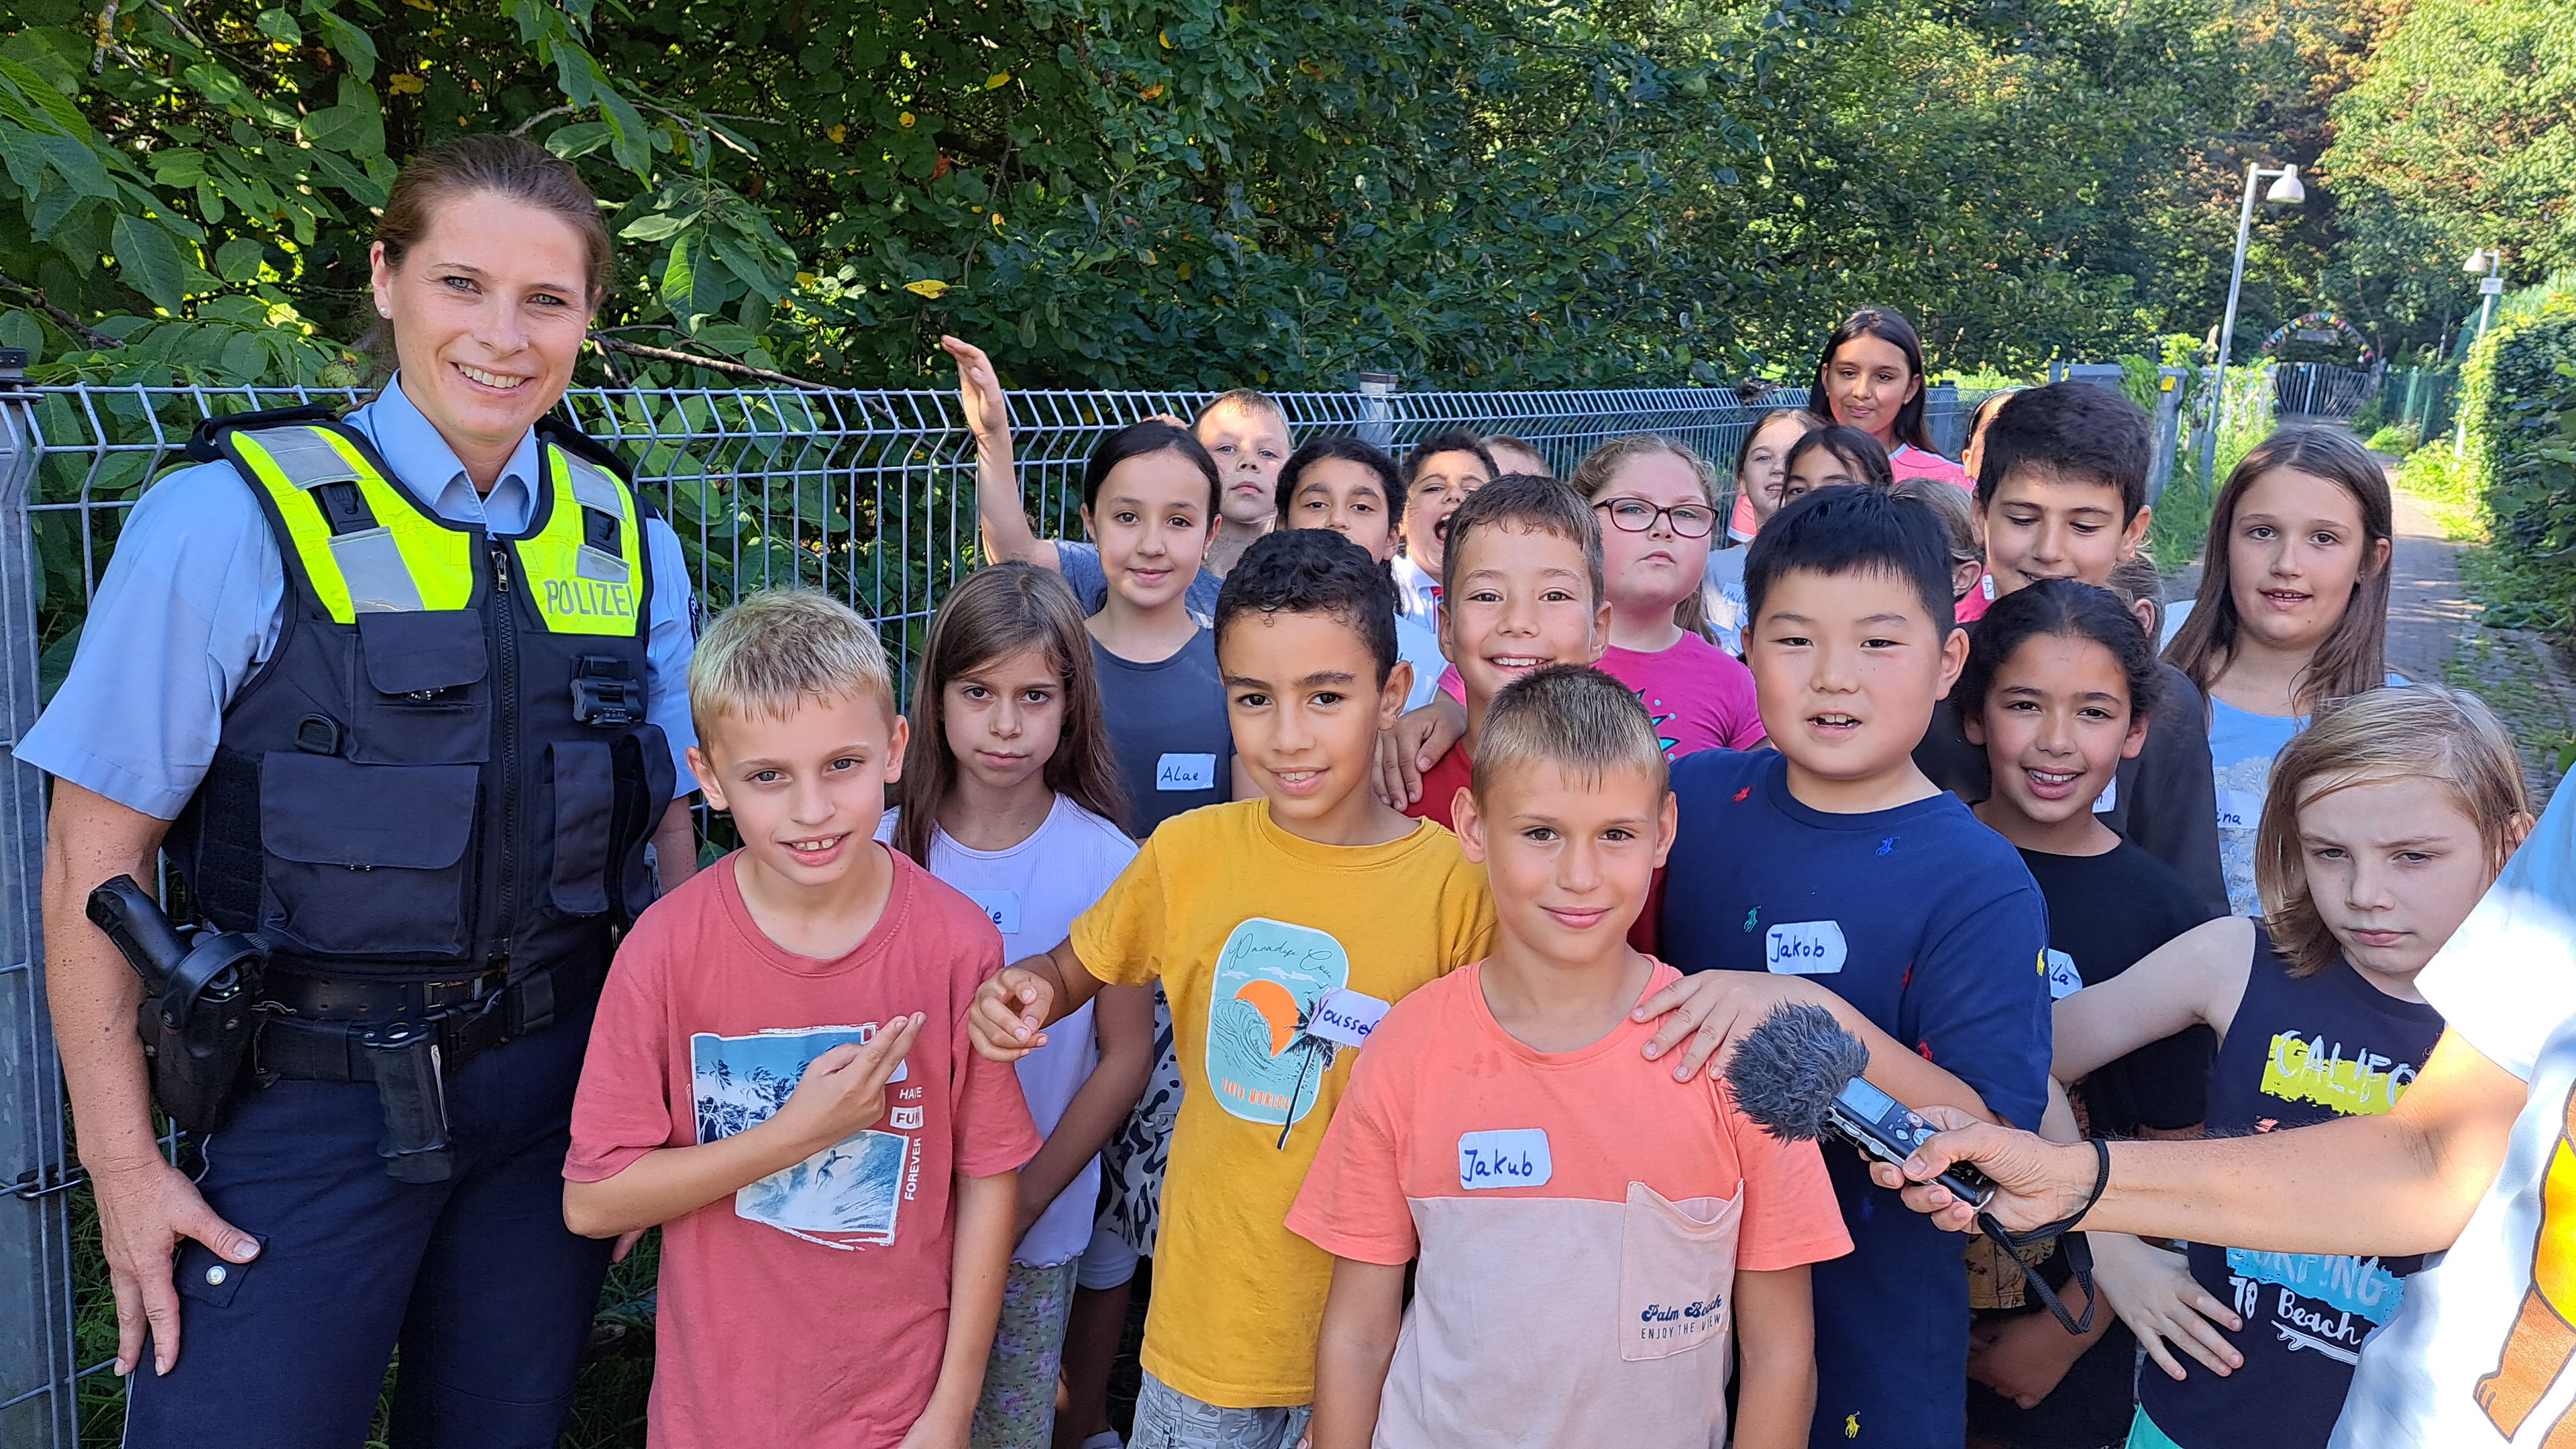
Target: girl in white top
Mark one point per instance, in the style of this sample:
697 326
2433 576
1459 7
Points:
1010 793
2292 612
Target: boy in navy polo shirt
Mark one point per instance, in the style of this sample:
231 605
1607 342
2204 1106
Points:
1834 872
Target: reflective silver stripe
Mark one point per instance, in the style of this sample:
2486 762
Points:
378 579
307 458
594 488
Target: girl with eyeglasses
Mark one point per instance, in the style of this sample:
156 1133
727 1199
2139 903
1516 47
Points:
1656 500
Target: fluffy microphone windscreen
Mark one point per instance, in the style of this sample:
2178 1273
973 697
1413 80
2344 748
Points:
1786 1071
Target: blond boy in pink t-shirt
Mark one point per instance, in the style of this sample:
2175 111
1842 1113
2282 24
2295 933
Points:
1592 1234
780 1077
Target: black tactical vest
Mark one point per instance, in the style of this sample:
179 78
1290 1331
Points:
444 765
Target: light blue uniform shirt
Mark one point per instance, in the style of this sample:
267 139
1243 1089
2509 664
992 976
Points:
194 598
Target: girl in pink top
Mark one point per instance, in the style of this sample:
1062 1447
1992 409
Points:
1657 502
1870 377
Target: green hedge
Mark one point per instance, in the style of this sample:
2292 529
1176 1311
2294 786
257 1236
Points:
2520 385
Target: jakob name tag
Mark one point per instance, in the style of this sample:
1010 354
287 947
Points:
2063 979
1185 772
2239 810
1002 908
1804 948
1511 1157
1346 1016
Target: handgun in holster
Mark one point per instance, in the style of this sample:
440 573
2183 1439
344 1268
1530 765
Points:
198 1018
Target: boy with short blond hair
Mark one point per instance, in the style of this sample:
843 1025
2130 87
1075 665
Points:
1280 929
779 1076
1591 1233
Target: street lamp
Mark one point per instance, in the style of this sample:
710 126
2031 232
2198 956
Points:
2486 264
2287 191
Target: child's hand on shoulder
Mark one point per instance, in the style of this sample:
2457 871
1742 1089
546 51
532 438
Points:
843 1090
1008 1012
1708 1010
1414 745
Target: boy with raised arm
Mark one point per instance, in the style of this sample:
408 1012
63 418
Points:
1592 1234
779 1077
1280 928
1243 430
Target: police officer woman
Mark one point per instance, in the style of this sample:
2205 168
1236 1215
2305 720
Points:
403 694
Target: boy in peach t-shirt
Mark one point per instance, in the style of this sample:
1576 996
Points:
1592 1234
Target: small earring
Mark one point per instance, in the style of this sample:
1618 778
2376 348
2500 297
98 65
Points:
384 311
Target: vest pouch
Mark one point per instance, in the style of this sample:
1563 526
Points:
582 773
365 860
606 797
426 697
647 783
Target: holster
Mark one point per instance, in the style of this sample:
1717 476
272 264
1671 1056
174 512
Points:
199 1017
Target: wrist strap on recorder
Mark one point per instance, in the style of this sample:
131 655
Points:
2079 1254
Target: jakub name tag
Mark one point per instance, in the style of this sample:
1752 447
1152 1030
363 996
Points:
1510 1157
1347 1017
1804 948
1002 908
1185 772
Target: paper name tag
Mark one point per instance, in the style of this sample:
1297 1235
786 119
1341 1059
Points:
2109 799
1185 772
2063 979
1346 1016
1002 908
1510 1157
2239 810
1804 948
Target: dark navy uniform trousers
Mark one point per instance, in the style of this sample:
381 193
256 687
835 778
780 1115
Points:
476 1278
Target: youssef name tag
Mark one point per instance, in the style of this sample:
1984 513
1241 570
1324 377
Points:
1346 1017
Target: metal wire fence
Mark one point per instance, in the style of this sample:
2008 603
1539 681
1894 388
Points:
866 495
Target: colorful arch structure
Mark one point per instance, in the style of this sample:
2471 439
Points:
2315 321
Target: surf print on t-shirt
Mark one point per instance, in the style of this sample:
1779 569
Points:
1264 1059
851 1192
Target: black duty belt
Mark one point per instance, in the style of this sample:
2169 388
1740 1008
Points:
332 1029
407 1036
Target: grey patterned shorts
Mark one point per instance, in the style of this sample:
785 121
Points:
1166 1418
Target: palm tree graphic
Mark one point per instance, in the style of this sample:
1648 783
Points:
1310 1046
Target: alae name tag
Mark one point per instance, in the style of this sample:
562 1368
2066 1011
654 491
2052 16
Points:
1508 1157
1185 772
1002 908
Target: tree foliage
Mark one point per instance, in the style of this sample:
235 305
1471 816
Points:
2461 134
1483 193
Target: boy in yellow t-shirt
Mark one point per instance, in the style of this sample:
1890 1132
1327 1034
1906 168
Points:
1281 929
